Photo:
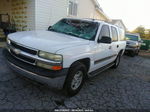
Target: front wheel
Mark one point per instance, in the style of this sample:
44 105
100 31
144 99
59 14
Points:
137 52
75 78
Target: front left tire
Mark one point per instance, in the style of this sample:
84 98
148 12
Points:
75 78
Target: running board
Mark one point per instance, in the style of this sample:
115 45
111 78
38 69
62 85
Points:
100 70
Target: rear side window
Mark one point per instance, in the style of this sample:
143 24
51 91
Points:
122 34
114 34
104 31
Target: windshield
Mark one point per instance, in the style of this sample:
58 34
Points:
81 29
131 37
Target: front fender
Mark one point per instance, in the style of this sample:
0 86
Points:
70 55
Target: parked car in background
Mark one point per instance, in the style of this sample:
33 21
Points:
66 54
133 44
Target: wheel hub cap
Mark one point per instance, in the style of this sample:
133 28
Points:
77 80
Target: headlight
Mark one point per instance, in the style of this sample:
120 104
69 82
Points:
50 56
133 45
8 41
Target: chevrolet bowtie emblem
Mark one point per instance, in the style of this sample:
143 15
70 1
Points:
17 51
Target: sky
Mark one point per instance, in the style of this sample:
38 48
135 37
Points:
133 12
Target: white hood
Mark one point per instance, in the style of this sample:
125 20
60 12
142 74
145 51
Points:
46 40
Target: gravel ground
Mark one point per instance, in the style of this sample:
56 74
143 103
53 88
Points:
2 44
127 87
145 54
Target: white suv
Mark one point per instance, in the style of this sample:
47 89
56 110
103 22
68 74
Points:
66 54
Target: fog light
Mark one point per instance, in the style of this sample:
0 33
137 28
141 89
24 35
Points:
43 65
47 66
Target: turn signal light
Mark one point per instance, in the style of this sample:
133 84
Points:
56 67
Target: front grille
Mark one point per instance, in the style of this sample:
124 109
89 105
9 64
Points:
23 58
23 49
27 50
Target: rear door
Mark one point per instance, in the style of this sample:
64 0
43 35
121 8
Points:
115 42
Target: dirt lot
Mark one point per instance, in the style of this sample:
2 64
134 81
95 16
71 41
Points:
127 87
145 53
2 44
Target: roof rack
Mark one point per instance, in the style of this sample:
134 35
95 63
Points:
98 20
92 19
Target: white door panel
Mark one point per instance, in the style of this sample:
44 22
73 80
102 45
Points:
115 47
115 42
103 51
102 54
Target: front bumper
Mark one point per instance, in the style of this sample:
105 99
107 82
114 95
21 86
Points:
54 79
128 48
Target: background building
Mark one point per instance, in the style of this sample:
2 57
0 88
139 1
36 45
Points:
39 14
119 23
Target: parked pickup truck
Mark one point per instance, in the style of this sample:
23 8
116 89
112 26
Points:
133 43
68 53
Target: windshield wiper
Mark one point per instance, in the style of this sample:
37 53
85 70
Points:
53 30
69 33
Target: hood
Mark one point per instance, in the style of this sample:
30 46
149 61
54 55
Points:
131 42
46 40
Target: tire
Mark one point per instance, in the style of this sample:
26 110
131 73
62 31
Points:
132 53
75 78
137 52
117 61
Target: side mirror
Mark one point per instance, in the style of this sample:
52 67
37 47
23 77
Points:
49 27
105 39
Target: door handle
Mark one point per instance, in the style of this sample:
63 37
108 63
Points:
110 47
117 46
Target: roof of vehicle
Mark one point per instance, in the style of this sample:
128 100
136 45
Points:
85 19
92 20
137 34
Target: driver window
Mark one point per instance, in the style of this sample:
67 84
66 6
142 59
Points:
104 31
